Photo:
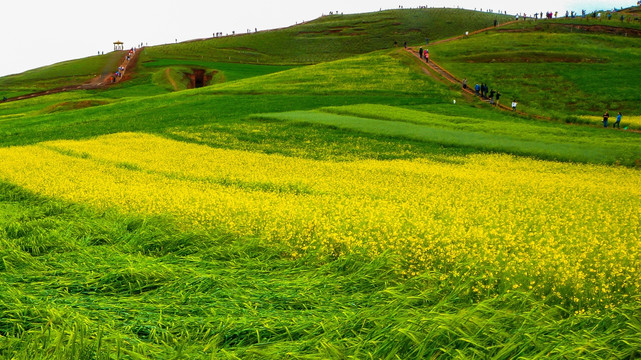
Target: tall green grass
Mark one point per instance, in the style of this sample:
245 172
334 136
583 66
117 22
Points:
76 283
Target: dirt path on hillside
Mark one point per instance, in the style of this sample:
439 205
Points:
99 82
470 92
450 78
467 92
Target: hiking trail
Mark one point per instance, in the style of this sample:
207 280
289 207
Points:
99 82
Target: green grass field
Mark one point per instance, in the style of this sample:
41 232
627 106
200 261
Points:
334 206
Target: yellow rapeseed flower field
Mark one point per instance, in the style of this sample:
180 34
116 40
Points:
561 231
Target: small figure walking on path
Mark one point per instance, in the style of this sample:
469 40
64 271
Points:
427 56
464 83
477 88
405 44
498 96
606 116
420 52
514 103
618 122
492 97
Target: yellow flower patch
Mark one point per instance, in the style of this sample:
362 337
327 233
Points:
558 230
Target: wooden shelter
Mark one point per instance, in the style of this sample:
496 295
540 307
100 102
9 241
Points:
118 45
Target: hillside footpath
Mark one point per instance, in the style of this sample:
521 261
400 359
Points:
98 82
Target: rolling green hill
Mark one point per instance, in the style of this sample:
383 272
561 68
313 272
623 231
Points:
324 39
331 37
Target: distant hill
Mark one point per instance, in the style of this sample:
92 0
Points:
324 39
331 37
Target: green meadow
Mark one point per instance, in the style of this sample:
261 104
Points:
79 281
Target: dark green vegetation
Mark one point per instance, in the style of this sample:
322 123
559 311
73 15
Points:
77 283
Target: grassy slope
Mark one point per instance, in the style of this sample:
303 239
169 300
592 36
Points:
551 71
58 75
327 38
234 102
378 78
330 37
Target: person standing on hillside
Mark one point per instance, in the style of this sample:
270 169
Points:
514 103
498 96
606 116
496 22
420 52
617 124
427 56
492 97
464 83
477 88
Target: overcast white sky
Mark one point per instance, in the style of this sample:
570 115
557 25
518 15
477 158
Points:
36 33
